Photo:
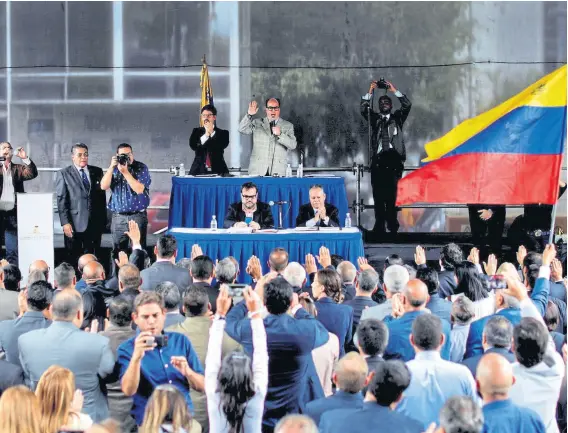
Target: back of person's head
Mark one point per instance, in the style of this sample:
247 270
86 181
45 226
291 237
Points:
373 336
347 271
395 278
296 424
129 277
166 405
278 296
63 276
295 274
65 305
171 294
331 284
278 259
40 265
19 411
39 296
531 267
551 316
416 294
196 301
350 373
309 305
236 387
494 376
393 259
411 271
530 339
225 271
34 276
461 414
12 277
336 259
463 311
389 382
470 281
427 332
498 332
429 276
166 247
450 256
93 271
120 311
55 391
201 268
184 263
368 281
84 259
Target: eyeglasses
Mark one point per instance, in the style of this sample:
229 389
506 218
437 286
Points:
81 155
205 116
250 197
273 108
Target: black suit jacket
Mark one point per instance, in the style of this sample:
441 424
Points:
160 272
306 213
473 361
263 215
20 173
76 205
215 145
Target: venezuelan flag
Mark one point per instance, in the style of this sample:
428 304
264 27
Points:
206 89
508 155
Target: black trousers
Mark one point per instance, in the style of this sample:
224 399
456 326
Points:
87 242
487 233
384 183
119 225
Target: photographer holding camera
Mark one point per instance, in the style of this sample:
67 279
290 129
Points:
388 152
129 182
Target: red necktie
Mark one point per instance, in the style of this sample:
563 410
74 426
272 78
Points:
207 161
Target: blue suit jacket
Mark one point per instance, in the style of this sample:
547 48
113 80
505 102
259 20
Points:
473 362
557 290
399 346
290 342
506 417
371 417
440 307
337 319
10 331
339 400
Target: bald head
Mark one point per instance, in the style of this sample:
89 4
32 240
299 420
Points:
494 377
278 259
84 259
296 424
347 271
416 295
93 271
66 305
41 266
350 373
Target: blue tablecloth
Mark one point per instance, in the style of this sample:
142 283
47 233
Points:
348 243
194 200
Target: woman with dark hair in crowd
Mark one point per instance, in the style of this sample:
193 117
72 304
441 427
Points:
167 412
19 411
337 318
471 283
236 386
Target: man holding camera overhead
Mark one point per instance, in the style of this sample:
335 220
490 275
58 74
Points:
129 181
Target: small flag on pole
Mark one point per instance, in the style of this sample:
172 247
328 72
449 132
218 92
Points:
206 90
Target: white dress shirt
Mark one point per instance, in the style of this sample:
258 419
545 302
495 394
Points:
204 137
8 198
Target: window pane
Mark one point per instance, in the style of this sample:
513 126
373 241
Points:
37 88
89 88
90 33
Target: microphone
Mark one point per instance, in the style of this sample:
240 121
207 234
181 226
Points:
272 203
272 125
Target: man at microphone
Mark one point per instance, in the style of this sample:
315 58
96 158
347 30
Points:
272 137
317 212
249 212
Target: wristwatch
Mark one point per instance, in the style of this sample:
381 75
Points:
217 316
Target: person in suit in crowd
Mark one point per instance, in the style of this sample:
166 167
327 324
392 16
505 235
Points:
249 212
87 355
460 414
81 204
407 307
439 306
10 375
433 379
164 268
487 223
40 266
96 295
317 212
172 303
551 319
209 143
348 274
295 424
226 272
9 308
385 392
202 273
196 326
295 274
129 282
38 299
12 178
557 287
64 277
350 377
461 317
494 381
291 339
81 263
371 341
367 283
395 280
272 137
119 330
450 256
336 317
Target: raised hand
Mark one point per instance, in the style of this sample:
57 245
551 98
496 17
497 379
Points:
420 256
521 254
223 301
324 258
196 251
548 254
473 256
122 259
491 265
310 264
254 269
253 108
363 264
556 270
133 232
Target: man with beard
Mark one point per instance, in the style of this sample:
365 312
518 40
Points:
249 212
388 153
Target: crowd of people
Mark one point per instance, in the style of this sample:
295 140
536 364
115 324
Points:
326 345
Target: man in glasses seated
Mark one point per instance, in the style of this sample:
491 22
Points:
272 137
249 212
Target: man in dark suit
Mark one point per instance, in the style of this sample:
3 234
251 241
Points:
497 338
164 269
372 338
172 303
367 284
81 204
96 295
202 272
487 223
438 306
9 308
450 256
209 144
348 274
317 212
249 212
87 355
12 177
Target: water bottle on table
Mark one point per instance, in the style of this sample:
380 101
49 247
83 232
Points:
214 223
182 170
347 221
288 171
300 172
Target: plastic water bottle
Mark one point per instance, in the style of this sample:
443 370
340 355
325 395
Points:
300 172
214 223
347 221
182 169
288 171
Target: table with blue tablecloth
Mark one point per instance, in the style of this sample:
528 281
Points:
194 200
219 244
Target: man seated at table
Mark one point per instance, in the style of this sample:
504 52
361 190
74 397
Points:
317 212
249 212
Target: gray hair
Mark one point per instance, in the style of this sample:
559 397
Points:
65 305
463 310
396 278
225 271
498 332
368 280
129 276
347 271
295 274
296 424
461 415
170 293
63 275
34 276
184 263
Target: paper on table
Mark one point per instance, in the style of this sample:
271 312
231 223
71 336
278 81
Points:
239 230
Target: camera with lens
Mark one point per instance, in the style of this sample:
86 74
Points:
123 159
382 83
496 282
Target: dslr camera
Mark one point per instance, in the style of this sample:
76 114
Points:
382 84
123 159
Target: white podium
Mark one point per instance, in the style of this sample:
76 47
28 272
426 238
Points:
35 231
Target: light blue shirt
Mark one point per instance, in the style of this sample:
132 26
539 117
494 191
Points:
458 342
433 381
